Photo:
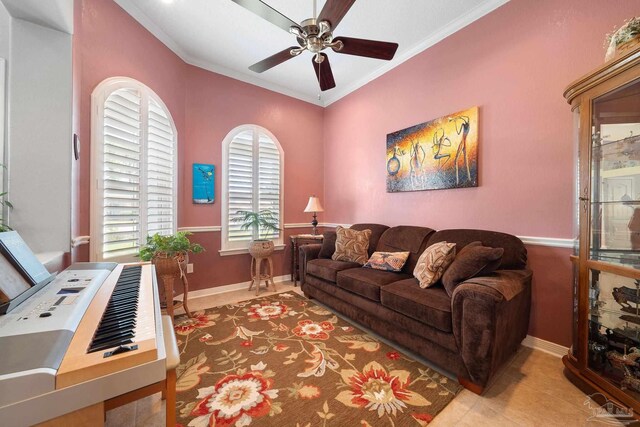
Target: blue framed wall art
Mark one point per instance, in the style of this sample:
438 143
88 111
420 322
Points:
203 183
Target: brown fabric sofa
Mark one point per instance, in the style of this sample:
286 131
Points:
472 333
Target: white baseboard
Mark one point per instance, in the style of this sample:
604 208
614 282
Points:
228 288
546 346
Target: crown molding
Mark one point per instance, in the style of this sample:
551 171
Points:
327 99
132 9
252 80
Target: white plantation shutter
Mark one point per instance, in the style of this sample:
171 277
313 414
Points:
160 172
253 182
240 184
134 169
121 174
269 180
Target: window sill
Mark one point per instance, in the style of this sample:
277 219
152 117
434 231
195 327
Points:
229 252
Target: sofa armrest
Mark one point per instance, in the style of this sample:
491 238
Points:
307 253
490 318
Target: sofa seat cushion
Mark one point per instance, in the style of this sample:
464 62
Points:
327 269
367 282
431 306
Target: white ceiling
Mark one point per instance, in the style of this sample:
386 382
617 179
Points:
56 14
223 37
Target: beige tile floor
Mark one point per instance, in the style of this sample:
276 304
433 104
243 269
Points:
530 391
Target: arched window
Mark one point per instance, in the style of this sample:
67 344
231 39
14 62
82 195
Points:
252 178
133 171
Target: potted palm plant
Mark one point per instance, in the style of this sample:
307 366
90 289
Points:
170 255
263 222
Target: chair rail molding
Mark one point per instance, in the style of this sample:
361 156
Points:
80 240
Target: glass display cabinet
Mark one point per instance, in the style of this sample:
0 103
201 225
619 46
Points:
605 356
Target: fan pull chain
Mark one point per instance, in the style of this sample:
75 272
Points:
319 74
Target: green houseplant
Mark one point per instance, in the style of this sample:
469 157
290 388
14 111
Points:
169 246
170 256
263 222
4 203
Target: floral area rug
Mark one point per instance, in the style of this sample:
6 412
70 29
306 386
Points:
282 360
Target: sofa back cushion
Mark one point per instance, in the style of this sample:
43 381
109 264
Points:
473 260
515 254
328 244
405 238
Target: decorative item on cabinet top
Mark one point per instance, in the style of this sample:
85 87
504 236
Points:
623 40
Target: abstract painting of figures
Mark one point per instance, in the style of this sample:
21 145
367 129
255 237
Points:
439 154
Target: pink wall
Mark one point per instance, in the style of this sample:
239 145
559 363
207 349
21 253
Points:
205 107
514 64
103 48
216 105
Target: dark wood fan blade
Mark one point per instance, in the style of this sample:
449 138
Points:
334 10
324 73
272 61
266 12
368 48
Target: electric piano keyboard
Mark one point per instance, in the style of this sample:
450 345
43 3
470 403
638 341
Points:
87 356
92 334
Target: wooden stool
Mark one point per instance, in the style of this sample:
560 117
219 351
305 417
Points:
257 276
166 387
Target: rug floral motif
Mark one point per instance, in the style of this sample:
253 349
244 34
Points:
282 360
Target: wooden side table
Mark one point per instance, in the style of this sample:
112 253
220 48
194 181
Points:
298 240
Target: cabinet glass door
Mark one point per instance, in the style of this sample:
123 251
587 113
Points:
614 330
615 177
614 239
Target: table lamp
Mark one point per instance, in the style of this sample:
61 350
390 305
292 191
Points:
314 206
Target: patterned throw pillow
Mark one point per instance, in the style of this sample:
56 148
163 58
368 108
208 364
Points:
387 261
351 245
433 262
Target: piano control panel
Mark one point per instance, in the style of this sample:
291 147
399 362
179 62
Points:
59 305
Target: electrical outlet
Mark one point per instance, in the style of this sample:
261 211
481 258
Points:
189 268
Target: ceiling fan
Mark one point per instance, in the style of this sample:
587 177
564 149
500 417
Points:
315 35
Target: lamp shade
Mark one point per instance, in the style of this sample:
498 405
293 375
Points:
314 205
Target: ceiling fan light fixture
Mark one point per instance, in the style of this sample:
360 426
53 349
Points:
336 45
297 31
316 35
323 28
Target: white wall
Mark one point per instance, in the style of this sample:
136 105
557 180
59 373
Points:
5 23
5 49
39 135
